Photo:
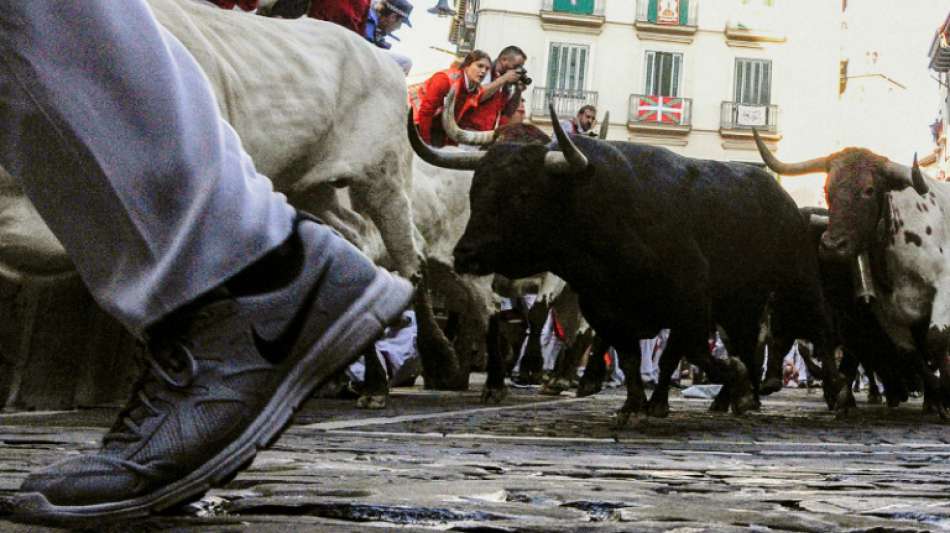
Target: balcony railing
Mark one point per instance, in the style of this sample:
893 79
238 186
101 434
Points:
648 12
566 101
738 116
593 8
940 50
581 15
659 113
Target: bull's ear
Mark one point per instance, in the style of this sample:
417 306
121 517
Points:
900 176
918 179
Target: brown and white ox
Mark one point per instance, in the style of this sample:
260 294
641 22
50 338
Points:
900 218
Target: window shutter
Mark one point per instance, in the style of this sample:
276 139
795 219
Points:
684 12
651 11
675 77
553 58
651 72
584 7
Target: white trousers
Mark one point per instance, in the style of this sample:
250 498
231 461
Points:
112 130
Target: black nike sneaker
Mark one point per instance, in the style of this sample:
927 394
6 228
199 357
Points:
222 381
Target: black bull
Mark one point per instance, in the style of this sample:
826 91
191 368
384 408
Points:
648 239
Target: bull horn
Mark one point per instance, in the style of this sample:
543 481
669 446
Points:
789 169
569 159
899 176
818 220
457 134
917 178
604 125
458 160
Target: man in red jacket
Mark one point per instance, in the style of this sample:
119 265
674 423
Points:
502 91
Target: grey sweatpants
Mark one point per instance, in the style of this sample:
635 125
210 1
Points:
111 128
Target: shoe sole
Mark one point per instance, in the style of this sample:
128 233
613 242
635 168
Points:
381 303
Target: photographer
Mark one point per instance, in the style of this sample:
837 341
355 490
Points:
583 123
501 90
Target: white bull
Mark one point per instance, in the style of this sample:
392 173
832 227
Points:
316 107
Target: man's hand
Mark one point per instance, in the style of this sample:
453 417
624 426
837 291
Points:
511 76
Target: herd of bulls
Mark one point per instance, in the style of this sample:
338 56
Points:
650 239
646 238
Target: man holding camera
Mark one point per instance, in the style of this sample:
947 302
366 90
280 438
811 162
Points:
502 90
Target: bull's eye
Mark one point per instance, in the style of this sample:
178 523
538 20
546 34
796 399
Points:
869 192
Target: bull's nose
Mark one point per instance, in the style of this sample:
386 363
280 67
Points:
833 243
834 246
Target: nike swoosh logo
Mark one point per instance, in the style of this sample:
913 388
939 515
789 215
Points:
278 349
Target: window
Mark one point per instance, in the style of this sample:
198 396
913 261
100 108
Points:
672 12
583 7
753 81
663 73
567 67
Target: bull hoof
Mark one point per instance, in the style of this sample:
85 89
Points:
770 386
585 388
658 409
622 418
372 401
845 399
555 387
494 394
720 404
756 404
874 398
744 404
844 410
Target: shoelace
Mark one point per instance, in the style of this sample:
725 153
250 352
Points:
162 362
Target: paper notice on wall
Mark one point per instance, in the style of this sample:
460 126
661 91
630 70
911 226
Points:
668 12
750 115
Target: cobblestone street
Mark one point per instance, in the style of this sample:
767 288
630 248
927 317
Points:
445 461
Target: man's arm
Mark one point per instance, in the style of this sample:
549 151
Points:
510 76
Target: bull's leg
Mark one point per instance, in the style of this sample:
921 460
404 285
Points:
773 381
440 364
733 375
596 370
532 364
495 389
375 393
932 350
659 404
742 341
565 370
938 339
636 398
849 369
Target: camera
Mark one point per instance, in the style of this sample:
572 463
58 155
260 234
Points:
523 72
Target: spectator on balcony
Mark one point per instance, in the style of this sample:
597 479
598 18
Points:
583 123
502 90
427 99
375 20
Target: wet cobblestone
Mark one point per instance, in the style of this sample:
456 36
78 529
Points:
444 461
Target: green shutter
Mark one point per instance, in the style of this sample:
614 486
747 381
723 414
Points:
583 7
684 12
651 11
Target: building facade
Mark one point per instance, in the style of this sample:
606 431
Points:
938 162
697 75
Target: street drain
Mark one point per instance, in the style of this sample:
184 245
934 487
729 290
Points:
596 511
370 513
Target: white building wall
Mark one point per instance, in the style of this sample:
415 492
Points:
804 70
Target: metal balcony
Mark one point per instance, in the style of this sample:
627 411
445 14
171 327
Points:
737 116
940 50
556 16
659 114
566 102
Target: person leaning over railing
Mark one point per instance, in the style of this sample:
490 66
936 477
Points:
427 99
